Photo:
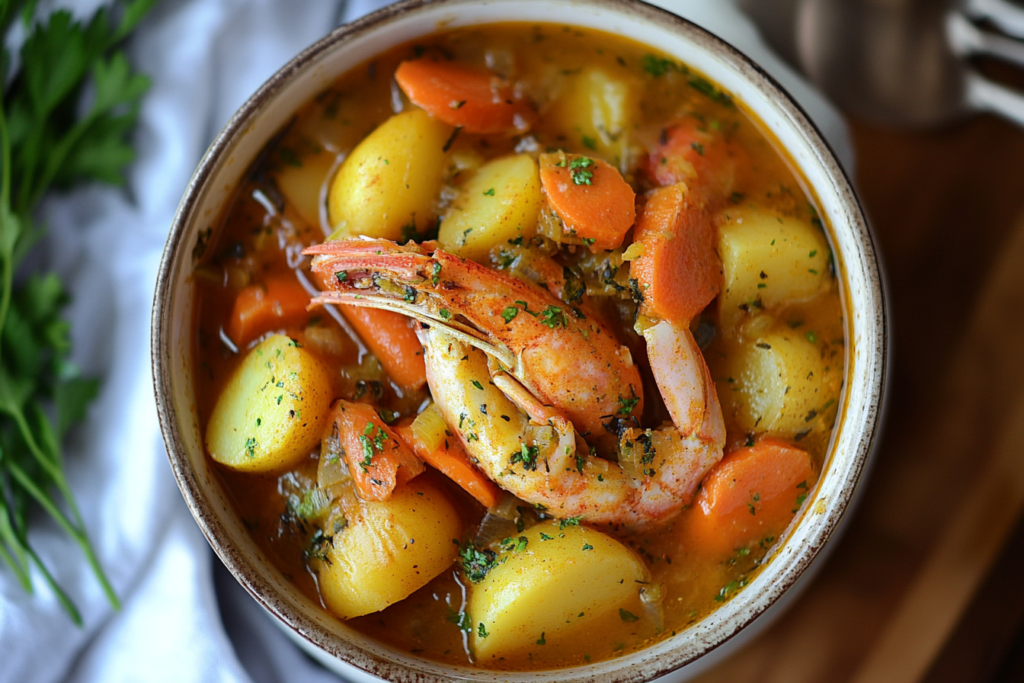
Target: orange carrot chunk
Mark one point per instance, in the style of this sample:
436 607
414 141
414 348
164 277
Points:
694 153
590 197
451 460
390 338
463 96
749 498
376 458
678 272
278 302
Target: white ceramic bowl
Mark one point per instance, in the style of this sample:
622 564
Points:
317 67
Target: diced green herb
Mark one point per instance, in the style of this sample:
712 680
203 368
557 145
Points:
509 313
475 562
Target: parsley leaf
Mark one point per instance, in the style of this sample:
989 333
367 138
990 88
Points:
475 562
579 170
67 113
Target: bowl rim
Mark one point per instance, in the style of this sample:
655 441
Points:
264 593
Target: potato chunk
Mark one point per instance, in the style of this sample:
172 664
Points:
595 110
301 183
780 384
272 411
767 260
389 549
500 202
388 184
561 582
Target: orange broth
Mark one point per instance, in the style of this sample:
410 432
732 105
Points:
262 233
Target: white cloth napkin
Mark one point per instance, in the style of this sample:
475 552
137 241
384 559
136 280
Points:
184 618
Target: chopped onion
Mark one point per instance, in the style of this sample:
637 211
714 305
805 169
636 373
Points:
652 598
429 428
331 469
493 530
509 517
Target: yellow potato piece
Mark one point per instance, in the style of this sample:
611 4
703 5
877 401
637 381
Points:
302 181
390 549
596 111
539 593
779 383
389 183
767 260
272 411
499 203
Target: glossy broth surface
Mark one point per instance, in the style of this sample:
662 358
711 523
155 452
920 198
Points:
280 209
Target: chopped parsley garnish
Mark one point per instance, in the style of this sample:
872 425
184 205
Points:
461 619
579 170
587 546
634 291
341 275
475 562
445 314
553 316
626 405
542 641
657 66
706 88
489 193
545 537
628 617
730 588
250 447
800 501
478 385
437 272
482 630
515 544
509 313
526 455
574 288
589 142
371 441
569 521
811 337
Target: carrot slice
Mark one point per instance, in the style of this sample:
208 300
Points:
451 460
463 96
390 338
590 197
377 459
279 301
691 152
678 272
749 497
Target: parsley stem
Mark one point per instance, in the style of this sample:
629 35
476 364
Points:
62 597
79 535
8 222
5 151
9 536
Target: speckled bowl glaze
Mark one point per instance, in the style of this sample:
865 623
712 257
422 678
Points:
358 657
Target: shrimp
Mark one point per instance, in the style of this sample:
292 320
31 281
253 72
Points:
563 356
524 397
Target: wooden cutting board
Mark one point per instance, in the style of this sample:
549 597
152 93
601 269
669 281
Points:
948 484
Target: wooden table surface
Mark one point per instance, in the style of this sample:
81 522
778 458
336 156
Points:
947 208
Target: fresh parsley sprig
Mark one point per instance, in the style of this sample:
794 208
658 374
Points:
66 116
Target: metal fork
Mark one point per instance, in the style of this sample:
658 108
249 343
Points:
898 62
